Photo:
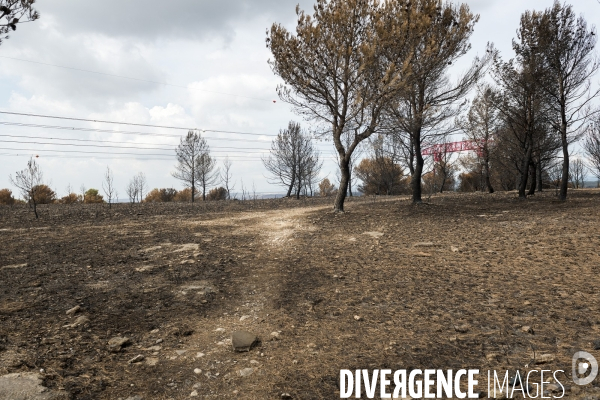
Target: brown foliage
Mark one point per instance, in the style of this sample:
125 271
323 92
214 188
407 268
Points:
326 188
184 195
219 193
6 197
44 195
92 196
71 198
380 176
161 195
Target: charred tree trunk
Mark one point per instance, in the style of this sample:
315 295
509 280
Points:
540 183
343 189
564 183
524 173
415 182
533 169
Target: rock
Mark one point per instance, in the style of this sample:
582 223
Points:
197 371
286 396
158 341
492 357
357 318
597 344
136 359
243 341
220 330
73 310
424 244
199 355
153 348
254 362
454 249
80 321
246 372
545 358
136 397
553 387
115 344
245 317
180 352
26 386
275 335
526 303
464 328
194 393
527 329
151 361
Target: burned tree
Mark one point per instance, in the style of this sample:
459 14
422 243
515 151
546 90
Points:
189 150
14 12
293 161
342 66
424 110
29 181
206 175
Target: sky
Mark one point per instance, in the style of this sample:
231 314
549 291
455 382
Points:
188 64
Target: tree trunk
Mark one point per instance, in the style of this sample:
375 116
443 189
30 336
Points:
533 180
343 189
540 183
524 173
292 183
564 183
415 182
193 192
488 183
35 210
203 192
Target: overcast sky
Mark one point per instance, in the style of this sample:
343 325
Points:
206 49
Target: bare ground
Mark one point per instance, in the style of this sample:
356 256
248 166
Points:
449 285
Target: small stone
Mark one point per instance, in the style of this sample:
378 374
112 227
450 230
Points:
464 328
194 393
180 352
545 358
158 341
357 318
153 348
199 355
80 321
553 387
196 386
286 396
492 357
254 362
73 310
527 329
151 361
526 303
115 344
197 371
220 330
154 331
243 341
245 317
136 359
246 372
454 249
275 335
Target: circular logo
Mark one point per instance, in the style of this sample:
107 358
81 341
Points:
582 363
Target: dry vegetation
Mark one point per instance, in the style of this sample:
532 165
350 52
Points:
442 285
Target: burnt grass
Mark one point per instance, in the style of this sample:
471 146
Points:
449 284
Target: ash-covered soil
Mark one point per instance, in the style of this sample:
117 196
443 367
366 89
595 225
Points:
466 281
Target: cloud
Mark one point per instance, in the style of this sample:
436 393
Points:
160 20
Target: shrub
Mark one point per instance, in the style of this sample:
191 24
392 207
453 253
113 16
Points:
71 198
161 196
6 197
184 195
326 188
219 193
43 194
92 196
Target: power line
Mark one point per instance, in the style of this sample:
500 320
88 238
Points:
109 141
132 124
93 130
134 79
116 147
34 151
